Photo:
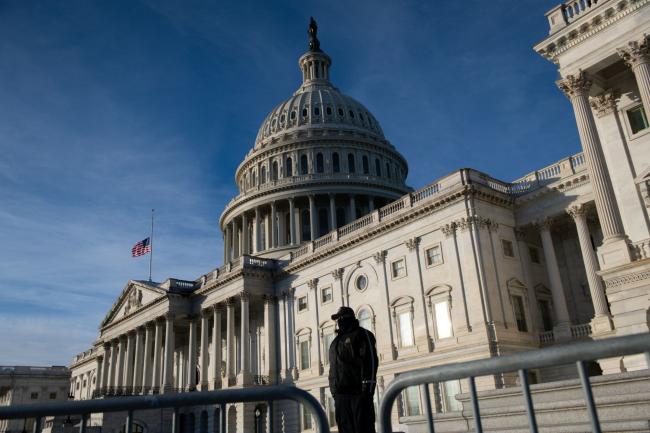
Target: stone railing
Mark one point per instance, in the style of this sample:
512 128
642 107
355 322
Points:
640 250
546 337
84 355
245 261
580 331
544 176
26 370
261 380
570 12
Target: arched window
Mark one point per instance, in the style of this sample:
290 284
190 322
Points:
365 319
289 167
263 175
388 170
304 166
377 167
274 170
364 162
323 223
351 167
336 164
253 180
319 163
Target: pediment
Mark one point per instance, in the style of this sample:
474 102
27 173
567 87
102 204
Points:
134 296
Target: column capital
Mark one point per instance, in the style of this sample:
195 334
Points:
412 243
269 299
544 224
449 229
218 308
206 312
169 316
313 283
575 85
577 211
636 52
520 234
379 257
230 302
244 296
604 103
289 292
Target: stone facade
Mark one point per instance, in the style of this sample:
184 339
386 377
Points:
466 268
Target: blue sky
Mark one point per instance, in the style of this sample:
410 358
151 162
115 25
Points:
111 108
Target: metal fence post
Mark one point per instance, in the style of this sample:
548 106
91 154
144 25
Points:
82 424
129 422
222 419
37 425
175 420
427 407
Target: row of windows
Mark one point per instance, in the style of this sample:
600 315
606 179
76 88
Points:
250 179
34 396
281 121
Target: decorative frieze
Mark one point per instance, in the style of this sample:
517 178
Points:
627 279
603 104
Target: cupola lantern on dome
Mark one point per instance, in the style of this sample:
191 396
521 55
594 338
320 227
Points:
314 63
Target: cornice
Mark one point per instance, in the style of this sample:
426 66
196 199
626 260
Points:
556 44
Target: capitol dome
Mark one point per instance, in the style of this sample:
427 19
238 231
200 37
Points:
320 161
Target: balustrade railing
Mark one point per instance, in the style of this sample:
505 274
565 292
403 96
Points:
573 9
546 337
641 249
581 331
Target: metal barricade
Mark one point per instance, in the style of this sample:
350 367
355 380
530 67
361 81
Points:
578 353
129 405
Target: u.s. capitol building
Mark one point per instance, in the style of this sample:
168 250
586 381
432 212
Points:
465 268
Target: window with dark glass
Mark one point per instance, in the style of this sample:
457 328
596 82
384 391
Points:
304 166
638 119
323 222
364 162
340 217
545 311
340 112
336 165
304 112
329 111
351 167
520 316
316 111
289 167
319 163
274 170
388 170
263 175
377 167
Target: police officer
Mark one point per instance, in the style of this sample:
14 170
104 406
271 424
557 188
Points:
353 374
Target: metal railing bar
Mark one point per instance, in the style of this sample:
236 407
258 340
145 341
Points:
269 409
37 424
129 422
134 403
82 424
427 407
222 418
175 420
530 410
475 409
589 397
547 357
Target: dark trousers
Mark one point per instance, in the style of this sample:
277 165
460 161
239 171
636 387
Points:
355 413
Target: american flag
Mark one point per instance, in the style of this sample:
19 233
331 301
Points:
141 248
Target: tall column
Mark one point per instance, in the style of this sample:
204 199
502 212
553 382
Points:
413 259
168 367
257 245
105 362
269 336
230 339
371 203
637 56
147 363
128 362
245 234
119 371
353 208
227 244
292 221
312 217
191 356
274 226
216 346
557 290
112 373
157 362
139 360
245 338
312 299
596 288
576 87
332 212
205 321
236 239
233 239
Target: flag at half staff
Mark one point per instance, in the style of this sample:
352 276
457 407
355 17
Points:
141 248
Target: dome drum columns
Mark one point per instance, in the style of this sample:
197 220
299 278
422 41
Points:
292 221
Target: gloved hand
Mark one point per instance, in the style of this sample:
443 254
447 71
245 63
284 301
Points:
368 388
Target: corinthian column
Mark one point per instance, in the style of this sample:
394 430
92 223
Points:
168 368
245 338
216 346
105 362
554 279
292 221
269 334
312 217
191 356
147 363
138 361
205 317
637 56
157 354
230 339
596 287
274 226
576 87
245 234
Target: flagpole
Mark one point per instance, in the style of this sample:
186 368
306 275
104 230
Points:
151 243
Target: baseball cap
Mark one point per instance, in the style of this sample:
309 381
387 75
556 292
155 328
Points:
343 312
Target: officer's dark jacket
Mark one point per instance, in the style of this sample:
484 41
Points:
353 360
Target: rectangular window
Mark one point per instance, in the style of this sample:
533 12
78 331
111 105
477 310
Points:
520 316
34 396
302 303
508 249
53 396
638 119
412 401
304 355
434 256
306 418
328 337
326 295
399 268
443 319
405 329
534 255
450 389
